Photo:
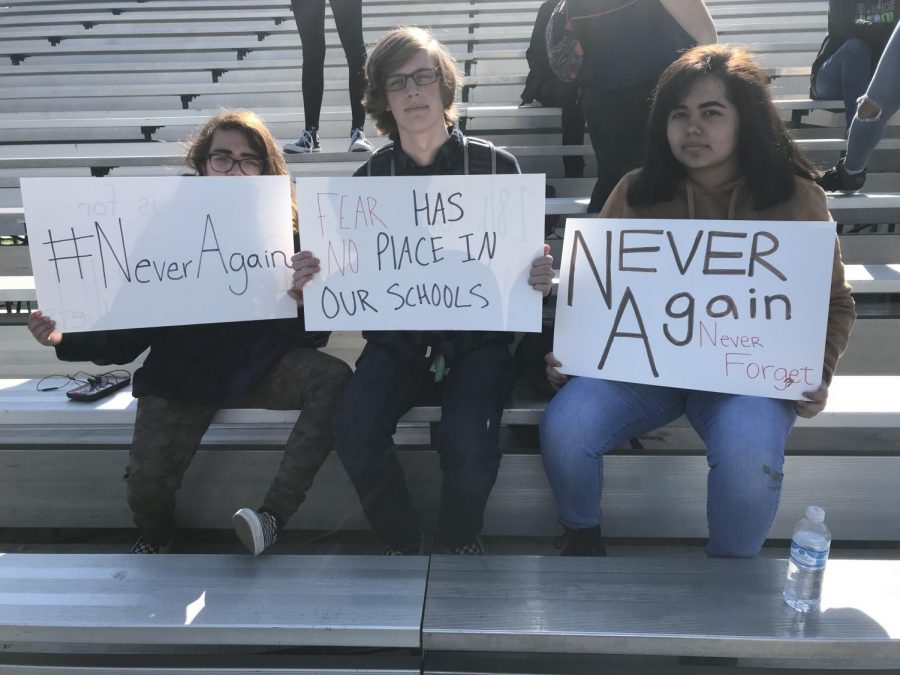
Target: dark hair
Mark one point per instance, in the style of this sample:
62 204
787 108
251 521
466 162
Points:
391 52
258 137
767 155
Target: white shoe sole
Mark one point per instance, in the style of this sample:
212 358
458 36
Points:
291 148
361 147
248 529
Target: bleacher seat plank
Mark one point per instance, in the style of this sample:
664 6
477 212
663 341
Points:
672 607
334 601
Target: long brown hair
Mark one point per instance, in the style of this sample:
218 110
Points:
258 136
391 52
767 155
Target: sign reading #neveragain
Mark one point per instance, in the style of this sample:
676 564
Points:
422 252
112 253
729 306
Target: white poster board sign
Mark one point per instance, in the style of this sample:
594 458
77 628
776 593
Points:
110 253
423 252
730 306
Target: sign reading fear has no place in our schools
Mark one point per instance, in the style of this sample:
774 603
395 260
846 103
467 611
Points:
422 252
729 306
135 252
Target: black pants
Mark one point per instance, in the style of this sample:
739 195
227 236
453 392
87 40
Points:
572 134
472 397
310 18
617 122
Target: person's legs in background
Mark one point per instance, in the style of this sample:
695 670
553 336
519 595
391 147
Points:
617 123
880 102
348 18
310 18
845 75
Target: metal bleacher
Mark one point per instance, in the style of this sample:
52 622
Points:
113 88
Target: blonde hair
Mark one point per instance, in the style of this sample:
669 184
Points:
391 52
258 136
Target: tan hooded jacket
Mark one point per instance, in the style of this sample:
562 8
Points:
732 201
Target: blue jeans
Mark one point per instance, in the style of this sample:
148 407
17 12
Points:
744 437
845 75
472 396
884 89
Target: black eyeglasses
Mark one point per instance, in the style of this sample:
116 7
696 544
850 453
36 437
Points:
249 166
420 77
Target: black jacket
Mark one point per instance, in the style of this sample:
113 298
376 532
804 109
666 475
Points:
411 347
211 364
871 21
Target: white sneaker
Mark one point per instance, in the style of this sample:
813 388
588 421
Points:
256 530
308 142
359 142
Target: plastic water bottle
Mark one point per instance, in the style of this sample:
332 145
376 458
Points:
810 545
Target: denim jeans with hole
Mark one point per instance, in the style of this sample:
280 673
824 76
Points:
744 437
884 89
845 75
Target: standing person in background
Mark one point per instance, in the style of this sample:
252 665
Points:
858 31
310 18
876 107
627 44
545 87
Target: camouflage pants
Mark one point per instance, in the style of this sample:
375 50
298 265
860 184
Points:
168 433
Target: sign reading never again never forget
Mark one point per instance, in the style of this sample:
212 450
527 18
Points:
116 253
730 306
423 252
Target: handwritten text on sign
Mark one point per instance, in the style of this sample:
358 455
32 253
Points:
133 252
732 306
423 253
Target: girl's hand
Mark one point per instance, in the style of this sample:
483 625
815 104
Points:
556 378
41 328
814 404
541 276
306 266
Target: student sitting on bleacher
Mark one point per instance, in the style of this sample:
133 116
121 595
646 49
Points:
193 370
412 82
716 149
880 102
858 31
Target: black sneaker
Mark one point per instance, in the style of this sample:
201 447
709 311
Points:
308 142
474 547
836 179
587 541
142 546
257 530
412 549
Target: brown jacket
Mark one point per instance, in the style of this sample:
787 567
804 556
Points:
732 201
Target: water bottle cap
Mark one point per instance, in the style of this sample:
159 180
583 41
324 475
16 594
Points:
816 514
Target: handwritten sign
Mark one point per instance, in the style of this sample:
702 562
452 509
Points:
731 306
423 253
133 252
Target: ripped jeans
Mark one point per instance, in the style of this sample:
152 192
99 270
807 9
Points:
744 437
884 89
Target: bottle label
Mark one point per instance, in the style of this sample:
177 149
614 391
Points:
808 557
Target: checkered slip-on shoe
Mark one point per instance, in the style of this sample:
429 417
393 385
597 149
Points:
257 530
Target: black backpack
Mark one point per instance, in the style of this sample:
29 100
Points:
542 84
